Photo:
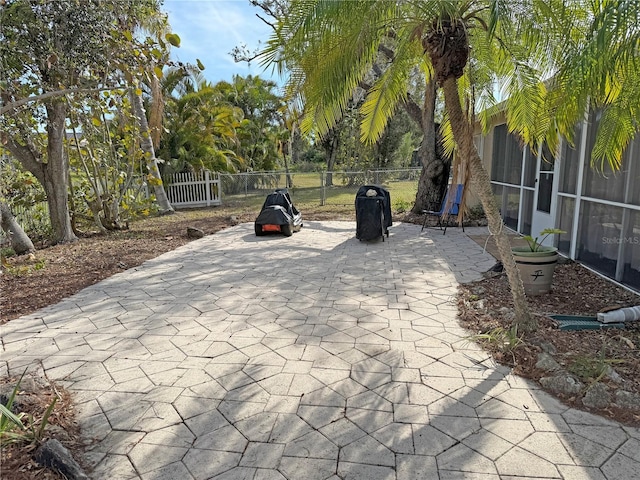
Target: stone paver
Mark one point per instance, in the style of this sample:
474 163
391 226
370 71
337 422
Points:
310 357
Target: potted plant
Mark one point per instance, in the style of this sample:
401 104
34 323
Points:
537 262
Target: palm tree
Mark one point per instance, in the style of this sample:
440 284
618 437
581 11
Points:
439 37
202 128
146 144
154 23
598 68
261 108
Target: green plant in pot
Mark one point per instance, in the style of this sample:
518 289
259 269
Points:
537 262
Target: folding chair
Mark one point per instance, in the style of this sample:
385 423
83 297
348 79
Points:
450 207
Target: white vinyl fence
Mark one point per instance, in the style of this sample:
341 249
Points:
193 189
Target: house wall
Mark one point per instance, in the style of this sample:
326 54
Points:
599 209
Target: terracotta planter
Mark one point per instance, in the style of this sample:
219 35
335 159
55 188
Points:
536 268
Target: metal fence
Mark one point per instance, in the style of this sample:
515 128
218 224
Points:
323 188
250 188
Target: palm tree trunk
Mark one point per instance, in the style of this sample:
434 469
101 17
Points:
157 110
434 176
481 184
289 180
152 163
331 150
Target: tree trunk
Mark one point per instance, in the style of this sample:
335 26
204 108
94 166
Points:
293 148
289 180
94 206
146 144
435 169
157 110
481 183
331 150
20 241
55 174
434 177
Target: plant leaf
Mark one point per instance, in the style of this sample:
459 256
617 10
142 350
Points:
45 418
173 39
8 414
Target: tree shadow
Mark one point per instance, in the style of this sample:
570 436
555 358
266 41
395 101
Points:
316 357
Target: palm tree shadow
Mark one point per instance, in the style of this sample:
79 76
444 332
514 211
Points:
319 353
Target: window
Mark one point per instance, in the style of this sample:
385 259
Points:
510 206
569 162
506 164
631 256
566 210
600 231
602 182
545 182
530 164
527 211
632 159
508 200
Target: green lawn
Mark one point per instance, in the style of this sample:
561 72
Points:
307 192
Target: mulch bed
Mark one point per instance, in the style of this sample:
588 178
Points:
486 305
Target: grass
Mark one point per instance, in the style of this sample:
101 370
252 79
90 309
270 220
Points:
505 340
591 369
306 195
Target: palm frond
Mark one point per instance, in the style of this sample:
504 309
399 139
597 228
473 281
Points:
325 72
619 125
526 105
448 142
390 89
599 69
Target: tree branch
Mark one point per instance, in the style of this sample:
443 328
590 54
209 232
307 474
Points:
272 25
414 111
56 93
27 155
388 52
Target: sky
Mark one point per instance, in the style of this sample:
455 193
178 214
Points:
209 29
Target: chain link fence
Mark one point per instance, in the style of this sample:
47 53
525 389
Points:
321 188
251 188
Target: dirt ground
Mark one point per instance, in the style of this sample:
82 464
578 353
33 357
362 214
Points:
29 283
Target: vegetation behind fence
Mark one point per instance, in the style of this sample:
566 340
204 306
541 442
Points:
250 189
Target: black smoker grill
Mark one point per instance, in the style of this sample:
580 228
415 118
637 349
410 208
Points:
373 212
